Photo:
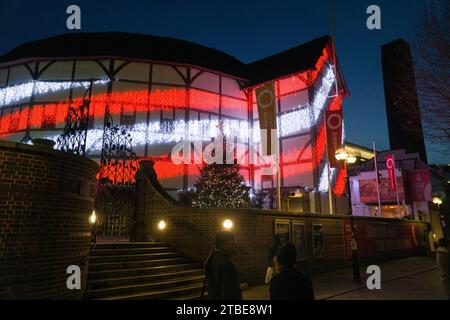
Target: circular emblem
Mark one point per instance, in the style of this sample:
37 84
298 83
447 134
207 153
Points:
334 121
390 163
265 99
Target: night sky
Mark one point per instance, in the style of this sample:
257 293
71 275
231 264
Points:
248 30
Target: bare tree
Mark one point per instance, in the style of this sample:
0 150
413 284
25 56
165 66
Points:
432 68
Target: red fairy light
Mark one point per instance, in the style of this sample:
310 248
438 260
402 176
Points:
292 84
339 185
131 101
335 104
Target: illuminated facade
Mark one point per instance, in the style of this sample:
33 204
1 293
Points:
167 90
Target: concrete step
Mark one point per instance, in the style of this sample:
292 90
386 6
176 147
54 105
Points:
166 294
128 245
192 296
146 287
103 266
141 279
133 257
196 295
130 272
141 270
130 251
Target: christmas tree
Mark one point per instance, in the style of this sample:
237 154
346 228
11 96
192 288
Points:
220 186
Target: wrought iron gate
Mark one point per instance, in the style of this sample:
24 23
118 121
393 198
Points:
117 184
116 192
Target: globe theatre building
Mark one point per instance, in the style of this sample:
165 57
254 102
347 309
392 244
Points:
165 90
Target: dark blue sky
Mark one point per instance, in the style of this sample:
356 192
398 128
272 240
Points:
248 30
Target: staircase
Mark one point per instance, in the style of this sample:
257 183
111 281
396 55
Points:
142 270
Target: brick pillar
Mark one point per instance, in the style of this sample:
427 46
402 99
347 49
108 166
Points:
144 201
46 197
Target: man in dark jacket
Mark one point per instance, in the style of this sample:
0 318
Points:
289 283
222 280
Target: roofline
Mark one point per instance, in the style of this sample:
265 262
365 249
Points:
344 88
358 146
246 81
166 62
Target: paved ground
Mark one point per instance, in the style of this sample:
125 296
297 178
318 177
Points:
405 279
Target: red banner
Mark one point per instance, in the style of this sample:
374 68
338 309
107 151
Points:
334 134
390 165
419 185
375 239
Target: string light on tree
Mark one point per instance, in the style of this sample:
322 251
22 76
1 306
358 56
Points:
220 186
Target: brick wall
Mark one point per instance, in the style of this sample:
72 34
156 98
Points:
192 230
45 200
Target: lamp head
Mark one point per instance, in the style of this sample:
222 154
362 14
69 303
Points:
341 154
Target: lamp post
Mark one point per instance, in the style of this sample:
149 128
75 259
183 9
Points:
438 202
343 157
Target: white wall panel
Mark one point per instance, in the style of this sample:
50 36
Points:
207 81
60 95
230 87
293 101
90 69
20 74
294 147
166 74
3 77
133 71
234 108
298 175
60 70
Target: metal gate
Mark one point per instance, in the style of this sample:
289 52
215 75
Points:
117 185
116 189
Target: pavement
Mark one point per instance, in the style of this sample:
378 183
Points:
412 278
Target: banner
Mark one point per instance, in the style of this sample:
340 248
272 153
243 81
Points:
368 191
266 102
334 134
419 185
390 165
377 239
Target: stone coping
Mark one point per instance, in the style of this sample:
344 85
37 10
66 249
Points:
33 149
281 214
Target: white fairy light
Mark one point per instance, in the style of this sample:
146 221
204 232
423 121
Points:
343 132
302 118
323 182
18 92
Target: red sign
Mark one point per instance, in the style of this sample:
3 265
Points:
334 134
419 185
390 165
378 238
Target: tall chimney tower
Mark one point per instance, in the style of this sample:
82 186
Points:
402 103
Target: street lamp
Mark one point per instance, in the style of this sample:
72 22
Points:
437 200
227 224
343 157
93 222
92 217
162 225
